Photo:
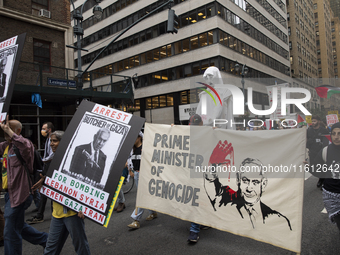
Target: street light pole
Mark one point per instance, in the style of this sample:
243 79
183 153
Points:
244 72
78 32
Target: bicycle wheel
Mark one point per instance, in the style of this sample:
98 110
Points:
127 187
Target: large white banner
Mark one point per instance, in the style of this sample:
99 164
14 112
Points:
246 183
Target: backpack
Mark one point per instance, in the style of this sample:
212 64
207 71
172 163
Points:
37 165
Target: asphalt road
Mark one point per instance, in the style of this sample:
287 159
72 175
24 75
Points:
168 235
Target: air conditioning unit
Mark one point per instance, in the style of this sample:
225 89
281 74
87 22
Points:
44 13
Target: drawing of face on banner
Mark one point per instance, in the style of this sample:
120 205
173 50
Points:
93 149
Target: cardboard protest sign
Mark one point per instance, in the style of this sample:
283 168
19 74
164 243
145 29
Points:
88 164
246 183
332 119
10 54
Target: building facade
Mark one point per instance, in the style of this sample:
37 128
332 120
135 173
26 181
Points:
302 45
47 27
211 33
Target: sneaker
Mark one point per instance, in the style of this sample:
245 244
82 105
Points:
34 220
120 207
135 224
152 216
193 237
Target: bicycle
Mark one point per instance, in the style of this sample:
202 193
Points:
128 185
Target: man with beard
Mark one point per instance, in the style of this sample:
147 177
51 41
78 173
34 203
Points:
316 141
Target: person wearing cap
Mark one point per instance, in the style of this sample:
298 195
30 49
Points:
134 166
330 157
195 120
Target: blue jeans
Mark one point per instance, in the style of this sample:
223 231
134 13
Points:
137 216
59 230
16 228
195 227
36 198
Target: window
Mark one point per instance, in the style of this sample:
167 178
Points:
39 4
315 6
288 30
42 55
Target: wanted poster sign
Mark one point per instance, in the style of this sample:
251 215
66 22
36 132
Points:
88 164
240 182
10 54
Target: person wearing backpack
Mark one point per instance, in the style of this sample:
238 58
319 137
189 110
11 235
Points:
17 183
329 159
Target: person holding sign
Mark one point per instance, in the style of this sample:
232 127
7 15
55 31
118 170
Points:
88 161
134 165
64 221
16 182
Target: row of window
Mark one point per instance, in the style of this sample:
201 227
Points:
245 49
119 5
185 19
157 30
248 29
258 17
188 97
185 45
157 102
189 44
198 68
244 5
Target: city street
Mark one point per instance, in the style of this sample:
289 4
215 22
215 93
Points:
168 235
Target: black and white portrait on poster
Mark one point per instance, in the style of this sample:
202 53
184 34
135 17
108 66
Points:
94 148
87 167
10 53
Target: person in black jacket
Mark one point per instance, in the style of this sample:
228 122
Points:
316 141
329 159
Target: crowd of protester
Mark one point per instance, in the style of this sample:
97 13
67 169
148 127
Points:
19 191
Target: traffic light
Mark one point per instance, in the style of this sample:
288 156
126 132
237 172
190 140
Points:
172 22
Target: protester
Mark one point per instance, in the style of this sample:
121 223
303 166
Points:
134 166
195 120
16 183
316 141
46 131
330 156
2 224
64 221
